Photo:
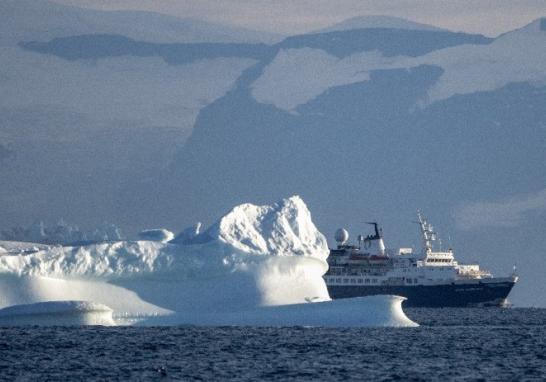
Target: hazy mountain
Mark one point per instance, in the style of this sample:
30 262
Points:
44 20
377 21
362 135
365 124
73 131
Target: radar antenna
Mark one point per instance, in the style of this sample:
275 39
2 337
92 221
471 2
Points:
427 232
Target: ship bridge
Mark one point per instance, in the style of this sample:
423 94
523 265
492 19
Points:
440 258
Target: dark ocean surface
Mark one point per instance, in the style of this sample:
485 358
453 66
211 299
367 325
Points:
488 344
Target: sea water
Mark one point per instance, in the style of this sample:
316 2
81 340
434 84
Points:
451 344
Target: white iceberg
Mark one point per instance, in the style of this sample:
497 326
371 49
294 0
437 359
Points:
374 311
256 265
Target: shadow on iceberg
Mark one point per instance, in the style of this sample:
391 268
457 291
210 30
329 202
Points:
57 313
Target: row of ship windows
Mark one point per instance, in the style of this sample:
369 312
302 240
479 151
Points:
335 271
438 260
428 269
354 281
364 281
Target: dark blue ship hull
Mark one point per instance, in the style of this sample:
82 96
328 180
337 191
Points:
434 296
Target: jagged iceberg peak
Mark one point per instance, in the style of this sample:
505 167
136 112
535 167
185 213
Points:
284 228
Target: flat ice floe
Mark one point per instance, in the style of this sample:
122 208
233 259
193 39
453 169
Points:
57 313
373 311
257 265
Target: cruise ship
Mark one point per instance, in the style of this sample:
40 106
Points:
428 278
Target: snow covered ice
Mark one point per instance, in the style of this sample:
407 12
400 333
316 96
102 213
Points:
257 265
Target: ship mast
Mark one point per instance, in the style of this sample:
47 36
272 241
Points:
427 233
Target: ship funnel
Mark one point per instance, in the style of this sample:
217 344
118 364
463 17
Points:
377 230
342 236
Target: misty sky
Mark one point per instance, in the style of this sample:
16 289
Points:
489 17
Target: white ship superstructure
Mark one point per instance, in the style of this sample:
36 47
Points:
426 278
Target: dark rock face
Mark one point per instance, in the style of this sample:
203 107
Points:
390 42
93 47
